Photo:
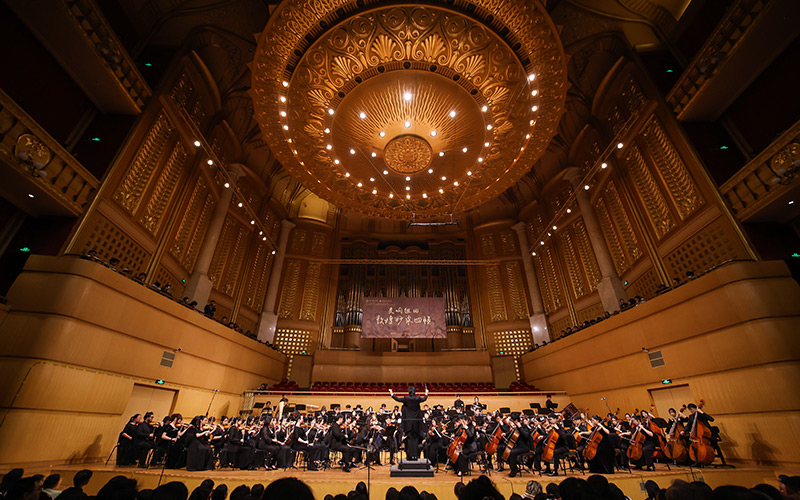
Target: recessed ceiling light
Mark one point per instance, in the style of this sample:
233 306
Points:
441 190
210 162
227 185
260 233
480 160
374 191
359 184
336 162
541 242
408 196
407 96
569 210
531 77
464 149
620 145
285 83
489 127
362 115
330 111
327 131
197 144
289 140
374 154
469 172
252 222
522 148
444 177
527 136
391 195
30 195
487 144
555 227
328 147
433 133
273 252
382 134
453 114
534 108
408 178
603 165
240 204
586 187
534 92
791 202
352 151
294 151
455 183
286 127
407 124
347 174
283 99
533 253
533 122
430 170
485 108
283 113
441 153
424 195
385 172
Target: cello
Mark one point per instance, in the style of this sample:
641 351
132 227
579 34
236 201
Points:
590 451
635 449
658 433
497 435
550 444
512 441
700 449
456 445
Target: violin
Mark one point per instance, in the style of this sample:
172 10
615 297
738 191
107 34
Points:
700 449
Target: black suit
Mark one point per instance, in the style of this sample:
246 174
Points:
412 422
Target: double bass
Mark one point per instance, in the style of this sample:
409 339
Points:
700 449
674 448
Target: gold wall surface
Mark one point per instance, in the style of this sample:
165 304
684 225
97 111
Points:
77 338
730 335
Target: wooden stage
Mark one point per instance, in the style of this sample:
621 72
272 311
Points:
335 481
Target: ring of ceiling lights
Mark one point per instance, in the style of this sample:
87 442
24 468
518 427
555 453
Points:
482 84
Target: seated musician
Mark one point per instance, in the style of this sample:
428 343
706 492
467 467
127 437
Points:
433 443
143 439
649 445
706 419
268 446
469 448
603 460
458 404
561 449
339 443
522 444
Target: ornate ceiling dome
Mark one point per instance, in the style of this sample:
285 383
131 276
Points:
404 111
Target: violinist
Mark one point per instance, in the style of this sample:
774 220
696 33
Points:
198 452
603 460
433 443
458 404
143 439
170 441
339 443
218 433
267 445
648 445
521 445
392 433
302 443
374 439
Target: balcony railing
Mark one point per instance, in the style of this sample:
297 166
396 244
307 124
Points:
100 35
715 52
26 147
766 177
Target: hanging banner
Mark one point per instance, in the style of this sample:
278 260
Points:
403 317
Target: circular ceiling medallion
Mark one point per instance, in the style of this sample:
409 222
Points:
407 154
405 111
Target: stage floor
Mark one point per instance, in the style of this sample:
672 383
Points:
335 481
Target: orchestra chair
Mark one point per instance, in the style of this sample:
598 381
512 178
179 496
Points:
571 459
620 460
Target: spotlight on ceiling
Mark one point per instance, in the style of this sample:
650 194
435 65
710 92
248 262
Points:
352 151
382 134
362 115
485 108
430 170
283 99
407 96
197 144
227 185
620 145
453 114
285 83
210 162
407 124
433 133
531 77
534 93
489 127
330 111
603 165
480 160
469 172
441 153
327 130
408 178
464 149
374 154
385 172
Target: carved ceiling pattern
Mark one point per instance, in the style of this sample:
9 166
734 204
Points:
335 82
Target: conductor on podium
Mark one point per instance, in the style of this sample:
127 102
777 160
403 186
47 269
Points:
411 415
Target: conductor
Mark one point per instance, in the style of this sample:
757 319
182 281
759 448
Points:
412 419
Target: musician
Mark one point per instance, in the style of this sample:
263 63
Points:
522 444
302 443
339 443
412 419
458 404
218 436
125 440
561 449
434 443
268 446
143 439
603 461
648 446
477 407
198 452
469 447
549 404
501 446
392 433
705 419
169 441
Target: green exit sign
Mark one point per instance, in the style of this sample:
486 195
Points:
666 381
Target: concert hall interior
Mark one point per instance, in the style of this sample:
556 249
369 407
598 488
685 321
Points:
550 207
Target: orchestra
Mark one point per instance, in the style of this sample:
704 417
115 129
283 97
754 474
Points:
550 443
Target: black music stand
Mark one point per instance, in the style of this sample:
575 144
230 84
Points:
537 408
505 410
528 412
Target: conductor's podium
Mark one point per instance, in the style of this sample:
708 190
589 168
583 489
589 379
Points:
412 468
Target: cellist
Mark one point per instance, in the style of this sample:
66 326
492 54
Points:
521 445
603 460
648 446
559 450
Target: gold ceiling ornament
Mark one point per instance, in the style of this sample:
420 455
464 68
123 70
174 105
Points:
408 154
408 110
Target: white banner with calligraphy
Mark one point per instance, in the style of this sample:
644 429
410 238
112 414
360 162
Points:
404 317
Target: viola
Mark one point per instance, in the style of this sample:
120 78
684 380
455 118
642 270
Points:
497 435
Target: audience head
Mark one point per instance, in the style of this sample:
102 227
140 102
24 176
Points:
257 490
174 490
480 489
768 491
82 478
220 492
789 487
681 490
651 488
288 487
392 493
26 488
52 481
241 492
734 493
201 493
533 489
9 479
553 490
408 492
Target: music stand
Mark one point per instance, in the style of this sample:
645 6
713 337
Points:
528 412
505 410
536 407
336 406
